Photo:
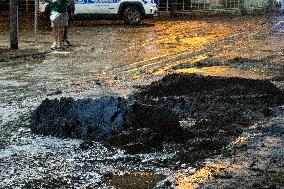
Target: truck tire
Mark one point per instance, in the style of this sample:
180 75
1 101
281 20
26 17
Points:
132 15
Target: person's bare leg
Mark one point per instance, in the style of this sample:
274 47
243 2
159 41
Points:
58 36
61 35
54 33
65 33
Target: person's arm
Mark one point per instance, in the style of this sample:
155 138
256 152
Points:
51 1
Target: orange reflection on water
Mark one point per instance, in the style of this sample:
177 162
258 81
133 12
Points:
207 173
202 175
225 71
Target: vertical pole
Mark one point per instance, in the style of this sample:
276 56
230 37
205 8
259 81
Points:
14 26
243 7
36 18
167 9
27 6
173 7
158 5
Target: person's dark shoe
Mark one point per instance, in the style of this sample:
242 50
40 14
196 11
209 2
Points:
67 43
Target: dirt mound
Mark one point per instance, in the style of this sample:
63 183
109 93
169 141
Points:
202 114
146 128
121 123
85 118
195 85
213 110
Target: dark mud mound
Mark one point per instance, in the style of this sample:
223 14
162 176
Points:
119 122
213 110
146 128
200 115
195 85
85 118
231 99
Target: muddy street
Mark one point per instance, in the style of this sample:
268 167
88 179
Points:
109 58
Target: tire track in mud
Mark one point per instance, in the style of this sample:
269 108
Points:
163 64
137 72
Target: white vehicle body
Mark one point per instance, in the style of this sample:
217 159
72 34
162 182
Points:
147 8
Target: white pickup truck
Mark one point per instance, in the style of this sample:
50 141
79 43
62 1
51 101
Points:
131 11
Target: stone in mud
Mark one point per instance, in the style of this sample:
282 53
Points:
85 118
168 183
2 146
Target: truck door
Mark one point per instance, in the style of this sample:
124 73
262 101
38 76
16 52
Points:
87 7
110 6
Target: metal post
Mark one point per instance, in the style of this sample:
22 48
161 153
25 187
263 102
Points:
36 18
27 6
173 7
167 8
14 26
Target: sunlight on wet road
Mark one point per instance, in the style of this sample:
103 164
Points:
104 51
225 71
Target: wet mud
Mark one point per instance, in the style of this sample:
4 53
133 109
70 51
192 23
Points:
84 119
198 121
136 180
211 110
202 114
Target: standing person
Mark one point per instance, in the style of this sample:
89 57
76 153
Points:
59 19
70 11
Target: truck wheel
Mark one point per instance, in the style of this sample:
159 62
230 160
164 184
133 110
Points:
132 15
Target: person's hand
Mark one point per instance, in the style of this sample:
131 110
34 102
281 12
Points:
53 1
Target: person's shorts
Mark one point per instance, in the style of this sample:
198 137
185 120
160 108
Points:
59 19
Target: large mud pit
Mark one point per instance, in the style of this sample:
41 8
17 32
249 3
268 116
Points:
197 116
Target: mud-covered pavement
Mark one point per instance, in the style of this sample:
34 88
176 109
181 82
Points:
109 58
